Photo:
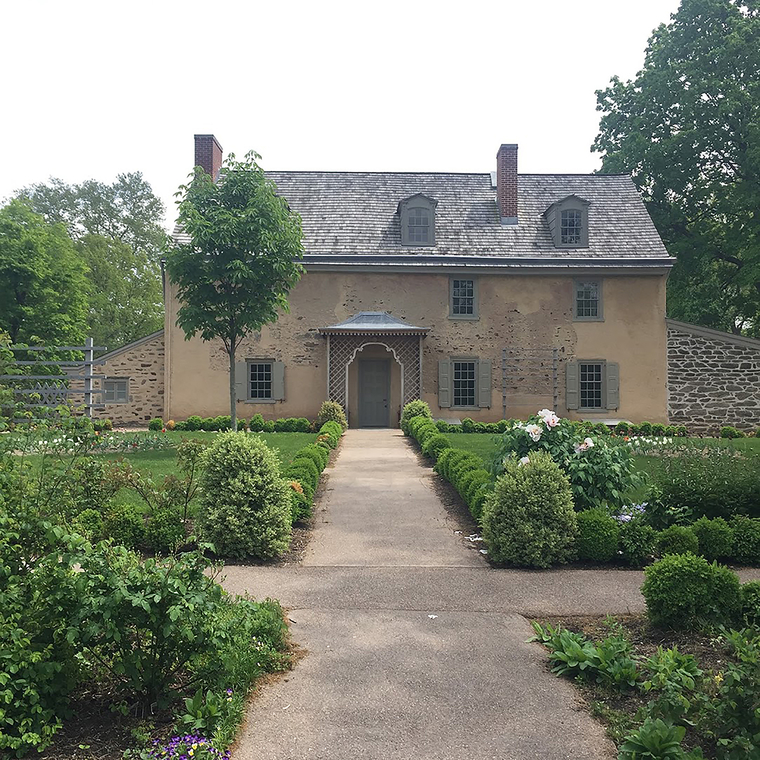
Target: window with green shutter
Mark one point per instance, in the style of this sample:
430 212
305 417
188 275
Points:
464 383
592 385
260 381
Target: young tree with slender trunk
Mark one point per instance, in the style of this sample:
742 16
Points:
240 258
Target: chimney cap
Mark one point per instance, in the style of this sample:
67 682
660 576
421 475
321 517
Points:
507 146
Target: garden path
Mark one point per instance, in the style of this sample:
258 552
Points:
416 648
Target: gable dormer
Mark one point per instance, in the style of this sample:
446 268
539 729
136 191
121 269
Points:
568 222
417 215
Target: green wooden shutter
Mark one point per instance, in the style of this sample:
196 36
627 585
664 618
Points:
241 381
444 383
613 385
572 386
484 382
278 381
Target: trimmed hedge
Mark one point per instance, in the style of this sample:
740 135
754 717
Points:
598 535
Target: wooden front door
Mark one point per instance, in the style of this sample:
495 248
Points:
374 393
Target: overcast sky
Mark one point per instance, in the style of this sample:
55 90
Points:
95 88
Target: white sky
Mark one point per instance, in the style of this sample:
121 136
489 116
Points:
92 88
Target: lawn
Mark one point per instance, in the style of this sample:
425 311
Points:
484 445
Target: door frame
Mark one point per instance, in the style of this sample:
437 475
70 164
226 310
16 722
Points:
387 363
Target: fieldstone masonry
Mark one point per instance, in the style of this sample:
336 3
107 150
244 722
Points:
142 363
713 379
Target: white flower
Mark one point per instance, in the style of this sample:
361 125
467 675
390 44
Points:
548 417
524 460
534 431
589 443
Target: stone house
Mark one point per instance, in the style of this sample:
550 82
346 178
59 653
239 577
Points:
488 295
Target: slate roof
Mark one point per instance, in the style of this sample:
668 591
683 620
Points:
378 322
351 217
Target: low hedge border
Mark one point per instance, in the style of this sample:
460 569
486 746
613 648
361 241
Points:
465 471
306 467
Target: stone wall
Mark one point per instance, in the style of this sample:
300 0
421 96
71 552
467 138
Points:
713 379
142 363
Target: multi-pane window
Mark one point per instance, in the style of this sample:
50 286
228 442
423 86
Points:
587 300
464 382
419 225
260 380
463 297
590 378
571 227
115 391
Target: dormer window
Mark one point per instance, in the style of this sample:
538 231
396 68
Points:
568 222
570 227
417 216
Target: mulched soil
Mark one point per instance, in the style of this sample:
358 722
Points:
607 704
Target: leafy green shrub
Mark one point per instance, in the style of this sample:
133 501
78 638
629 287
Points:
746 546
267 426
208 424
597 535
88 523
715 537
529 519
256 423
193 423
300 503
644 428
124 524
718 483
292 425
435 444
684 591
181 426
470 483
750 601
677 539
156 424
224 422
306 463
600 471
165 531
442 426
670 676
425 430
730 432
442 463
468 425
318 454
638 542
654 740
411 410
658 429
623 428
730 715
330 432
102 424
461 465
245 504
38 595
303 477
332 410
479 498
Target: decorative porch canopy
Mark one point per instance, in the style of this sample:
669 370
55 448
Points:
347 338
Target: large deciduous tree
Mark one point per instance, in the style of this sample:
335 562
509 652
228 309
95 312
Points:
120 236
43 280
688 129
241 258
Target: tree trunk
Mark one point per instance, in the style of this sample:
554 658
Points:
233 395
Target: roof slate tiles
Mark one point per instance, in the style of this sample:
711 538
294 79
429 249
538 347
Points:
355 214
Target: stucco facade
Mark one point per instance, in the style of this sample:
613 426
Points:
517 312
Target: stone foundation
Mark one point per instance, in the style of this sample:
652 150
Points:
713 379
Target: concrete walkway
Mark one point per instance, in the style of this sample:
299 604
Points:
416 647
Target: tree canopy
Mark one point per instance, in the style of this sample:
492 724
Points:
234 274
43 280
688 130
119 235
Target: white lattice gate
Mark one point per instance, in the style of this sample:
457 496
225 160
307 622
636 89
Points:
342 350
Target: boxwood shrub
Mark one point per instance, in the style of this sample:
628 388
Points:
685 591
677 539
638 542
411 410
435 445
598 534
245 505
529 519
746 545
715 538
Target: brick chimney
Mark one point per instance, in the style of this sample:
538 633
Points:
208 154
506 183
